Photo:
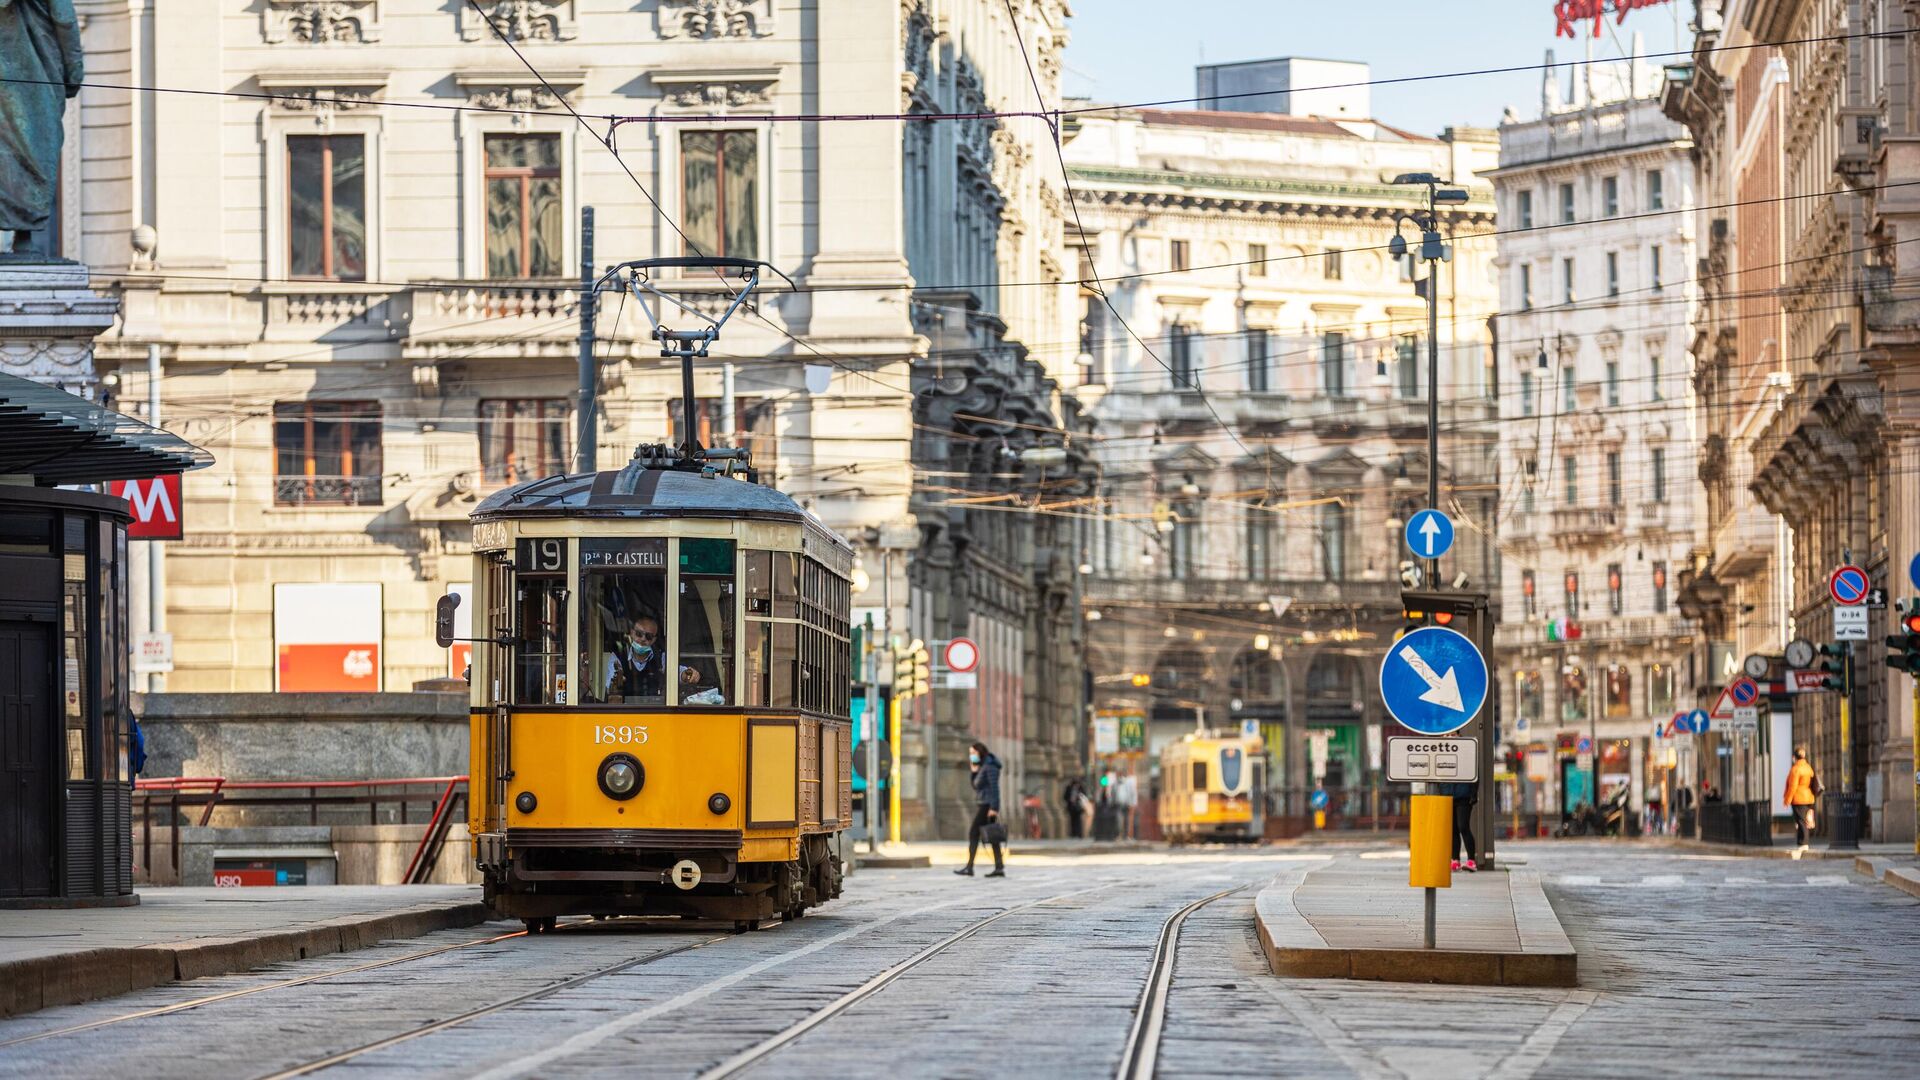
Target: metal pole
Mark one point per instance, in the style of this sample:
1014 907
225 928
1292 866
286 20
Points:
1429 904
728 422
586 453
1914 724
156 551
882 715
871 799
1846 721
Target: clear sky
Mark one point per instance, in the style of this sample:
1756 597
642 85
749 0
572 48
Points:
1142 50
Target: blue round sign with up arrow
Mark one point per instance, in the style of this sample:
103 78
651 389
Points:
1429 534
1433 681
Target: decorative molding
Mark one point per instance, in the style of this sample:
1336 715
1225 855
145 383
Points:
323 93
321 22
520 91
714 88
520 20
715 20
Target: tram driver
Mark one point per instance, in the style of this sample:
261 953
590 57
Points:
636 667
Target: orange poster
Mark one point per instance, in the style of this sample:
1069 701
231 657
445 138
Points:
310 668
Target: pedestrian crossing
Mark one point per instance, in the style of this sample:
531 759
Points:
1682 881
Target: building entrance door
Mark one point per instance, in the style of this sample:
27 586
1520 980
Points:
26 761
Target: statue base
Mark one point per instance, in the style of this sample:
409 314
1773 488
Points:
49 317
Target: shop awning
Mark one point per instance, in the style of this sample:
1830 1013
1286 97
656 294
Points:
59 438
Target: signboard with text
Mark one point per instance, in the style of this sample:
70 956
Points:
155 504
1417 760
1571 16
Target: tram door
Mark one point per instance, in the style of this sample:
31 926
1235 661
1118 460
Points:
26 760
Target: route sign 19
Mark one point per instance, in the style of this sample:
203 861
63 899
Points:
1848 585
1433 680
1429 534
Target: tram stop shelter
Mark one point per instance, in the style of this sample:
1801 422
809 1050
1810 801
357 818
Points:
66 832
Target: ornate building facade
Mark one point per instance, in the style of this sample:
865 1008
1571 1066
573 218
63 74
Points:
1262 440
1804 351
1601 508
361 266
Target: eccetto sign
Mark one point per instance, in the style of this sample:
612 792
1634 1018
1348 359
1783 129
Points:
1441 760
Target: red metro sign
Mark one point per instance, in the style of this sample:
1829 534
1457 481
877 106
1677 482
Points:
156 506
1569 12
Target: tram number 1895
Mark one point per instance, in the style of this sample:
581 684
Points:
619 735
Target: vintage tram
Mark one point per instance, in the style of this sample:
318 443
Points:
660 684
1213 787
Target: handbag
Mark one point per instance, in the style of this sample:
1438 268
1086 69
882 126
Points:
994 832
1815 786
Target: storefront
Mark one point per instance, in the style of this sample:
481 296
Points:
66 791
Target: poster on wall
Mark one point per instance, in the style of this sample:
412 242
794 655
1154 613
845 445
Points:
327 637
460 654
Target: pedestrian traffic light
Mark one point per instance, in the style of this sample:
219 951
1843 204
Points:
1903 649
1837 671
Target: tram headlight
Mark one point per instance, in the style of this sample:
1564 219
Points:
621 776
525 802
719 803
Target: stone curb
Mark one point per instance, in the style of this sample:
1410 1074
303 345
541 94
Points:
69 978
1295 949
1755 851
1904 878
891 862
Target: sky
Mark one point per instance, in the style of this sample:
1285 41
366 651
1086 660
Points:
1142 50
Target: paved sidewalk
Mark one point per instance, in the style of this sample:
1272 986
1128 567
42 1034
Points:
1358 919
61 956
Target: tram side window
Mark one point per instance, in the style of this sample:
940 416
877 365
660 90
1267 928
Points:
540 677
706 621
1199 776
623 648
757 634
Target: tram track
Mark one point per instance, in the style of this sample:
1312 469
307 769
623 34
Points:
1142 1051
229 995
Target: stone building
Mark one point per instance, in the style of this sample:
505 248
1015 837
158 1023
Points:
1261 443
364 288
1804 351
1601 507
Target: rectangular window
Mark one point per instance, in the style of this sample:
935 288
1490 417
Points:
1616 590
1660 588
1613 273
1524 204
1568 400
1653 377
1333 363
1256 260
1527 591
1566 280
1613 478
1257 361
327 207
1573 694
1529 696
1570 471
1619 690
1571 584
1177 255
706 622
1659 689
1610 196
1613 382
1657 463
526 222
327 453
1199 771
720 187
540 654
1180 356
1332 265
1333 540
1526 287
1526 393
1656 190
1566 204
1259 546
1407 361
523 438
753 426
1657 275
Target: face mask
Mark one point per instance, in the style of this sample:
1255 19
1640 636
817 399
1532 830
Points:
973 758
640 653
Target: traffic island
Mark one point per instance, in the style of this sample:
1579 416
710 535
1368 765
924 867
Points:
50 958
1351 919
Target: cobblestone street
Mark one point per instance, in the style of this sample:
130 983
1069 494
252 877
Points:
1798 966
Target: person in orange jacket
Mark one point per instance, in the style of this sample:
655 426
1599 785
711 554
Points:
1802 789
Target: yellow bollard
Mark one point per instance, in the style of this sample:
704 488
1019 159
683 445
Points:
1430 842
1319 819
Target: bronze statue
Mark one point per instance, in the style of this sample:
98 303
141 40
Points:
40 54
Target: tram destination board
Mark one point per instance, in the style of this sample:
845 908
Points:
1416 760
628 552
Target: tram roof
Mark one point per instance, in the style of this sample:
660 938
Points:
641 492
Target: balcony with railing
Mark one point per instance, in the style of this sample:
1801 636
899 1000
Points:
326 491
528 311
1584 524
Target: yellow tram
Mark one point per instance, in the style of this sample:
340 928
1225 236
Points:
659 697
1213 786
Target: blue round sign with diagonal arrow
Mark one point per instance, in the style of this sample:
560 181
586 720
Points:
1429 534
1433 681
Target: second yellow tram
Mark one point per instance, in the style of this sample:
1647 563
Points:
1213 787
659 697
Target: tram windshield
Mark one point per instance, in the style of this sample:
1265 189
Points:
706 621
623 646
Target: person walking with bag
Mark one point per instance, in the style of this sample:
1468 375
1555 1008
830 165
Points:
985 769
1803 789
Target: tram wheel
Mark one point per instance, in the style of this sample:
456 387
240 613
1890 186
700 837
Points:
742 926
540 926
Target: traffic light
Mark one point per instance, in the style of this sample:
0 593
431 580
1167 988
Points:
1837 668
1141 678
912 670
859 653
1903 649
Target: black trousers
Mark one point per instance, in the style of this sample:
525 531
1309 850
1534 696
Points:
1463 827
1802 823
973 837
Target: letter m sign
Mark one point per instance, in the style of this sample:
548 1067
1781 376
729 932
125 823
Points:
156 506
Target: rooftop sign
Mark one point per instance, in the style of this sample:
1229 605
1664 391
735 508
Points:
1567 13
